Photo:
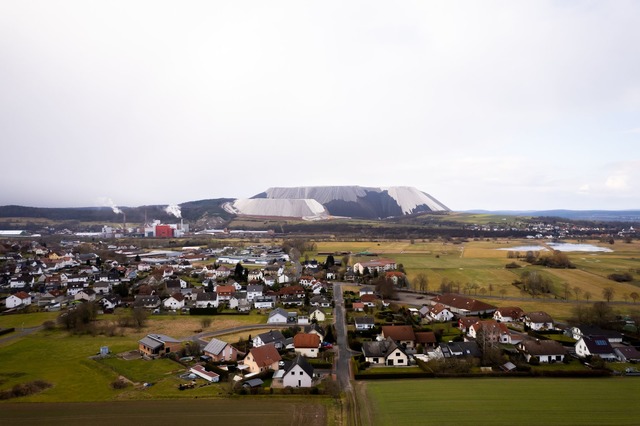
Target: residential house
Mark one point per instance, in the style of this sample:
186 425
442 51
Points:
369 300
306 280
158 344
508 314
201 372
262 358
225 292
110 302
464 323
264 302
102 288
427 339
20 299
538 321
364 323
239 301
292 291
174 302
307 344
627 354
207 300
595 345
86 295
314 329
440 312
222 272
278 316
458 350
403 335
384 352
147 302
320 301
588 330
255 275
74 288
464 306
317 314
491 331
544 351
220 351
358 306
298 373
365 290
274 337
254 291
379 265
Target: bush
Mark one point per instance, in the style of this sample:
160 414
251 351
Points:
621 278
25 389
119 384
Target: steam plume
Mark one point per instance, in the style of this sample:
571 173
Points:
174 209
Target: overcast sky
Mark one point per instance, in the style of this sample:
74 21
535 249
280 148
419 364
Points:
484 105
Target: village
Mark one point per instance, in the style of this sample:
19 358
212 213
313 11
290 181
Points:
296 344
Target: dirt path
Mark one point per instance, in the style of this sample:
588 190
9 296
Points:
365 411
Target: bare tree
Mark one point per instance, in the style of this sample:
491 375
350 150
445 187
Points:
587 295
567 291
608 293
422 282
634 296
577 290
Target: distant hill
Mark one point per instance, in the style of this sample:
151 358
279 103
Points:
192 211
590 215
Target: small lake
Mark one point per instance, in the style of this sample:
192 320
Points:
579 247
525 248
561 247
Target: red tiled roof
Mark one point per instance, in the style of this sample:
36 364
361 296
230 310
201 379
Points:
305 340
265 355
399 332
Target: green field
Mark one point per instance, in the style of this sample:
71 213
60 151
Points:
479 263
502 401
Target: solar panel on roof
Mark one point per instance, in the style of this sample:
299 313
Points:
601 342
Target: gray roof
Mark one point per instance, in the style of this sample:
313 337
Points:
598 345
157 340
379 348
215 346
271 336
206 296
303 363
460 349
364 320
277 311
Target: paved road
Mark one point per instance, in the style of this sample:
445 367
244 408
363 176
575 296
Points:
20 332
199 337
343 360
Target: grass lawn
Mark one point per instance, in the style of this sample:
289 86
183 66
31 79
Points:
27 320
492 401
139 370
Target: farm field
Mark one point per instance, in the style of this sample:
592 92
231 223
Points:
479 262
501 401
238 411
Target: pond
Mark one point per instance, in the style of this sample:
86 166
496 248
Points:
561 247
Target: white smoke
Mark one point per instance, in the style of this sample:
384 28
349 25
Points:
109 203
174 209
